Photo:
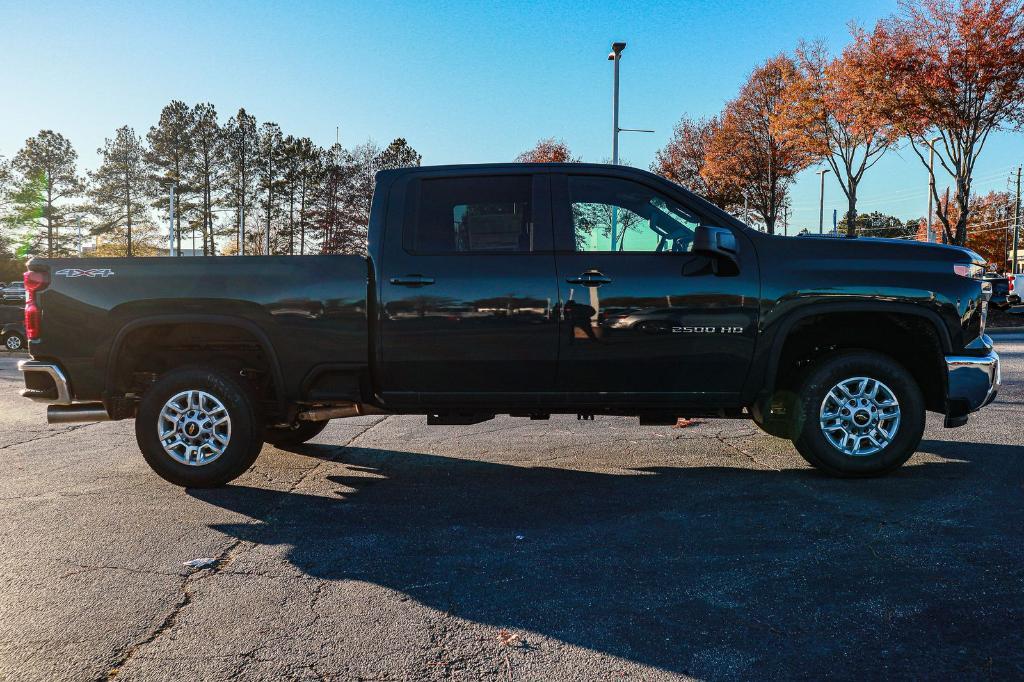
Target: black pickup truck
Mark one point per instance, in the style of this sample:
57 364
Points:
527 290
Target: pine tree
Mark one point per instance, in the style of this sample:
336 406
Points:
49 178
170 153
269 178
398 155
240 138
206 171
291 167
119 188
6 201
311 171
329 200
302 169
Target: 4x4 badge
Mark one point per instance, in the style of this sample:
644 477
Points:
77 272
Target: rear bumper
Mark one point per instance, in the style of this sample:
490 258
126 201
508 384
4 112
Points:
45 382
973 382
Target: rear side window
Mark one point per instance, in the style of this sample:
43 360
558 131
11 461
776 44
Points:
474 215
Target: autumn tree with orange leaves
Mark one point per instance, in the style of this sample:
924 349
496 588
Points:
747 150
951 69
825 112
548 150
682 160
989 227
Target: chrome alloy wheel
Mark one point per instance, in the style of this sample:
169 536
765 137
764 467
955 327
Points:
860 416
13 342
194 428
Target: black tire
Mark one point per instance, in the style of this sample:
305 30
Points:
14 342
295 435
246 435
815 447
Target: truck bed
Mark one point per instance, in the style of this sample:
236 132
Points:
310 310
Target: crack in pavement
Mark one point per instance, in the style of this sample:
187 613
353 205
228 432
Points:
48 434
725 441
223 560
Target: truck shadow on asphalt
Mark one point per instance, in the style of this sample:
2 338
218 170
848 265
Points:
710 571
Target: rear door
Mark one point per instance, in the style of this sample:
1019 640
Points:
468 290
643 316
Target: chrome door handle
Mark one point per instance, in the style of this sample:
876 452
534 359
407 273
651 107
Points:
412 281
590 279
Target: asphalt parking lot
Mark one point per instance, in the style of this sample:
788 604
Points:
389 550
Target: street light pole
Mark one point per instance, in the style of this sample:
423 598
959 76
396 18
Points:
614 56
931 182
821 202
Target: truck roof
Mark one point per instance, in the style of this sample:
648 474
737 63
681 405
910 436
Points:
606 168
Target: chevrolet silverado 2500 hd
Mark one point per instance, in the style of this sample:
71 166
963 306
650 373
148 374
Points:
527 290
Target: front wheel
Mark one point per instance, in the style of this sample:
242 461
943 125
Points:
859 414
197 427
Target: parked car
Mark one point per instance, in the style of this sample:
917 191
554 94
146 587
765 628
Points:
12 336
14 293
832 343
1001 297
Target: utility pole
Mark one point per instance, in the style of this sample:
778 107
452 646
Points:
821 202
931 183
1016 225
170 225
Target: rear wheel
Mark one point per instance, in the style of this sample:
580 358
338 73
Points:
859 414
197 427
294 435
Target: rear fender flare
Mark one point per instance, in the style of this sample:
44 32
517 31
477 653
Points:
222 320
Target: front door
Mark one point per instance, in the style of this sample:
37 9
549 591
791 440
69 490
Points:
469 292
643 316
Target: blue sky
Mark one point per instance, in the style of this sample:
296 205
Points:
462 81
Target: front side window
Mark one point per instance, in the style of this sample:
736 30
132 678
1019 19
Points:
474 215
611 214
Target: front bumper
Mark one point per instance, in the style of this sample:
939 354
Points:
973 382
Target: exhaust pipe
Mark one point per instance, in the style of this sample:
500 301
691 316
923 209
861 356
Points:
79 412
321 414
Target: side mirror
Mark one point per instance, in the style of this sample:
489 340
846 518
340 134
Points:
715 241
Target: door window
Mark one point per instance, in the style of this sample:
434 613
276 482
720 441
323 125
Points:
611 214
487 214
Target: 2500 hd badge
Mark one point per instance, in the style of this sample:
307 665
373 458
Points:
707 330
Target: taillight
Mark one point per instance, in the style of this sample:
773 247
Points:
1011 282
969 270
35 281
